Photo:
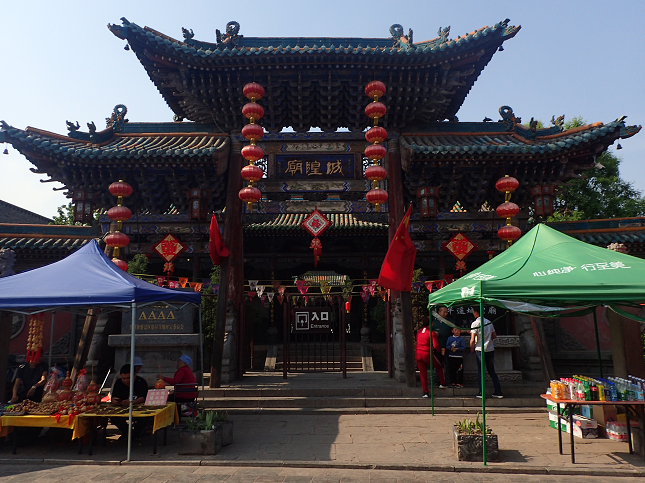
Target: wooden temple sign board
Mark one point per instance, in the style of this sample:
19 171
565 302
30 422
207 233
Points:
315 319
309 166
316 147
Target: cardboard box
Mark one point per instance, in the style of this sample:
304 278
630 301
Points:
588 433
587 411
584 423
553 422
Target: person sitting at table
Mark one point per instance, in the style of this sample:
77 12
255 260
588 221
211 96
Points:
120 396
30 382
184 377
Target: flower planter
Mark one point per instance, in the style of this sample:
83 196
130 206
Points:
227 432
201 442
468 447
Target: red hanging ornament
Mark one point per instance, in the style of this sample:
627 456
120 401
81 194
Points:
507 210
375 110
317 247
253 111
252 153
509 233
376 134
375 152
250 195
119 213
376 197
117 239
121 264
252 173
376 173
375 89
253 91
507 184
120 188
253 132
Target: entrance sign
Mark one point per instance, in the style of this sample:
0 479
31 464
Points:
310 320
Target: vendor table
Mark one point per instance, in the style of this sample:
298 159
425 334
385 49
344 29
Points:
569 404
78 427
163 416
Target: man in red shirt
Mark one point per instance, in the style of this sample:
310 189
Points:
424 336
187 391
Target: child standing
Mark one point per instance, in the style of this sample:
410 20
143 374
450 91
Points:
455 347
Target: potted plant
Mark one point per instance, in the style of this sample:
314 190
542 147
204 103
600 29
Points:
203 434
226 425
467 441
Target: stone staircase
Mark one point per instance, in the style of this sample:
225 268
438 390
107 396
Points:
320 357
365 392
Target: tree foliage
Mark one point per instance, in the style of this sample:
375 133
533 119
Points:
138 265
599 193
65 215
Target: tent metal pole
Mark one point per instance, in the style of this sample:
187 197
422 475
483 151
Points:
51 341
130 425
201 354
431 367
482 363
595 326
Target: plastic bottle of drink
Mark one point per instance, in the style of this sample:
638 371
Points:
587 390
580 392
613 391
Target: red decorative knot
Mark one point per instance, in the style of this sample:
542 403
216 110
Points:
121 264
376 135
376 173
120 188
509 233
507 210
375 152
117 239
252 153
253 91
250 194
252 173
375 110
377 196
252 132
507 184
375 89
253 111
119 213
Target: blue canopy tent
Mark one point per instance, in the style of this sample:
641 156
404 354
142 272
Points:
88 278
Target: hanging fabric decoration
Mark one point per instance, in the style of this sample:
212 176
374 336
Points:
206 282
416 286
508 210
215 288
460 247
270 295
429 285
263 298
439 284
183 281
365 296
253 284
376 136
315 224
192 285
302 288
160 280
119 213
260 290
372 289
251 295
448 278
325 287
172 284
252 153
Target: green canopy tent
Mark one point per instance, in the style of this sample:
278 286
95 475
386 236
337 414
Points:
549 274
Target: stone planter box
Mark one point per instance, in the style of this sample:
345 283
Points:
201 442
227 432
468 447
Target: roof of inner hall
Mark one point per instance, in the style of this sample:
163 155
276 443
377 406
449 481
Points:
314 82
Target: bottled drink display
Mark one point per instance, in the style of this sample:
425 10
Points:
582 388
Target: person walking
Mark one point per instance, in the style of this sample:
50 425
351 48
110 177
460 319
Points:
455 347
426 338
489 351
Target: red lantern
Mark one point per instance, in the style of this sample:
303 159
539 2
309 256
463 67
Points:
120 188
117 239
253 91
507 184
252 173
375 152
253 111
509 233
252 132
250 194
376 134
376 173
376 197
507 210
252 153
375 110
119 213
375 89
121 264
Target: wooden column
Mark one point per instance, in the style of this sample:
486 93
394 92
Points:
232 272
396 211
85 342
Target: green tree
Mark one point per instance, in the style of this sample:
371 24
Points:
600 193
65 216
138 265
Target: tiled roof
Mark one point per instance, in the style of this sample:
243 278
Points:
509 142
45 237
14 214
286 224
45 243
120 147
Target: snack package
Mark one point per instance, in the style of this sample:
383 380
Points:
82 381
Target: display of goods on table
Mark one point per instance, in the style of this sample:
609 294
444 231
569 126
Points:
617 430
581 388
49 408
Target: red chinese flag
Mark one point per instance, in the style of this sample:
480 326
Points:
216 246
398 265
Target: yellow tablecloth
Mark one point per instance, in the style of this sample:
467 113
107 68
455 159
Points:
163 416
78 426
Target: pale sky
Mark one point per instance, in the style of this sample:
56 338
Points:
60 62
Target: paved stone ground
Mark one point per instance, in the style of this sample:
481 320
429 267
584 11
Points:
363 441
233 474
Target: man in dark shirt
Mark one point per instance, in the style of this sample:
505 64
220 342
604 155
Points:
30 381
121 397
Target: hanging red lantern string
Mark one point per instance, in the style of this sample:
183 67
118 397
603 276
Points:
376 135
508 210
252 153
119 213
